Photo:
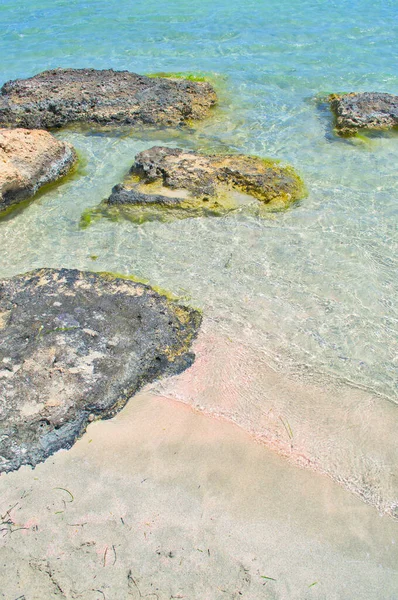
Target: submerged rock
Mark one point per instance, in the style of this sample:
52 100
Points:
28 160
74 346
364 110
61 96
175 182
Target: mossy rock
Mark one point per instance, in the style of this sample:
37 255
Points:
172 183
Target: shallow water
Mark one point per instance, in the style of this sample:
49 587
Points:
310 292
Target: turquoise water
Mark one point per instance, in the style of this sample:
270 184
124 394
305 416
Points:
316 285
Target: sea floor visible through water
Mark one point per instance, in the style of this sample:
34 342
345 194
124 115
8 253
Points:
299 340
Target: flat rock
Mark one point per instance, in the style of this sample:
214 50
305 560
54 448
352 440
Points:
185 183
74 346
28 160
61 96
122 195
366 110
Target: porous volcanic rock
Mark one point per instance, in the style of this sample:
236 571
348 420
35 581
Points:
28 160
74 346
366 110
187 183
61 96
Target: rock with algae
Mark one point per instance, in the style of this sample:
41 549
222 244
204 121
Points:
74 346
61 96
366 110
28 160
175 183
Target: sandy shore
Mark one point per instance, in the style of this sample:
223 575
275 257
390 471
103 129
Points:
316 421
163 502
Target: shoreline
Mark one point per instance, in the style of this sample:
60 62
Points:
162 501
333 429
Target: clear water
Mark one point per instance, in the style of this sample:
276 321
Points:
313 288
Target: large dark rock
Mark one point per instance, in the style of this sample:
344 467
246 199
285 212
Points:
28 160
56 98
171 181
364 111
74 346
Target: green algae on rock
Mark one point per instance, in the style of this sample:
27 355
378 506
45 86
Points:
74 346
364 110
62 96
30 160
172 183
178 75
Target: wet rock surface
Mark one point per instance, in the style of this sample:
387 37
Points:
202 175
74 346
365 110
132 197
29 160
185 183
61 96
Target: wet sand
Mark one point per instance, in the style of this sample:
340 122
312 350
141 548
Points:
163 502
326 424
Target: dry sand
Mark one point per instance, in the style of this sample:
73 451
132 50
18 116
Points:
162 502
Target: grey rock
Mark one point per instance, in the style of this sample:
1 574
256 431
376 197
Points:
132 197
366 110
74 346
61 96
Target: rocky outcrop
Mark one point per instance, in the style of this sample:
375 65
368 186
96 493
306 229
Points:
364 111
171 181
74 346
61 96
28 160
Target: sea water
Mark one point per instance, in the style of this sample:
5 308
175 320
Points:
300 314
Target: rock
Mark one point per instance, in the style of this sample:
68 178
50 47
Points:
74 346
61 96
132 197
182 183
28 160
364 111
